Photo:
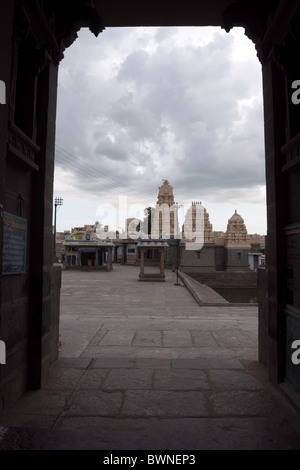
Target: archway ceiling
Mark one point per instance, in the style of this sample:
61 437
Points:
161 12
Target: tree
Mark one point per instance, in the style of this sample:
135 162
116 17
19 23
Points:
146 224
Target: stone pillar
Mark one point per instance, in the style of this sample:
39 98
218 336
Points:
41 240
97 257
124 247
275 116
142 262
109 258
115 254
290 328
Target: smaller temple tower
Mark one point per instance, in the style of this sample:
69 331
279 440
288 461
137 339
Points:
237 242
236 235
190 221
197 222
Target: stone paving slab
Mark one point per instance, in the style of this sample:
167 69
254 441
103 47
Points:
236 337
144 366
234 380
64 378
134 379
204 339
164 403
244 403
95 403
152 363
180 379
148 339
134 352
207 363
93 378
119 338
114 362
73 362
180 338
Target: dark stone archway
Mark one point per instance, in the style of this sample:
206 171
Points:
34 35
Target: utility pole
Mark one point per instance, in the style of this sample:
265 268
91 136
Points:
57 202
177 283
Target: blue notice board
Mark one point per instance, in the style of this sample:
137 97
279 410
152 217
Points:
14 244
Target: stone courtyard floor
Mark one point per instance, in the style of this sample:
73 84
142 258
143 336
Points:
143 366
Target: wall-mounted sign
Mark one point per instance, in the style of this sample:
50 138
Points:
14 244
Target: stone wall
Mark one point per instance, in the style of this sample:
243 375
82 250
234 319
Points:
55 309
171 254
220 258
237 259
214 258
201 260
29 301
16 293
262 285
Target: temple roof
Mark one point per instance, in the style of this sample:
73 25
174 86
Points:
165 194
95 243
152 243
236 218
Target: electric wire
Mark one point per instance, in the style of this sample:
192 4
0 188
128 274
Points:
75 163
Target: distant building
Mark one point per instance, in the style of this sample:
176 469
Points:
88 252
233 250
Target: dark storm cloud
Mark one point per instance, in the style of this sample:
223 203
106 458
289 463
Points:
161 108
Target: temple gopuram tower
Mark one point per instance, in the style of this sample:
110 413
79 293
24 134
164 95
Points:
165 220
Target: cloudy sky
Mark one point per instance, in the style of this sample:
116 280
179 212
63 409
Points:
139 105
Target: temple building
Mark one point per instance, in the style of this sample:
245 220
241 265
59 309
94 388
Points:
88 252
234 250
236 235
237 244
197 248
